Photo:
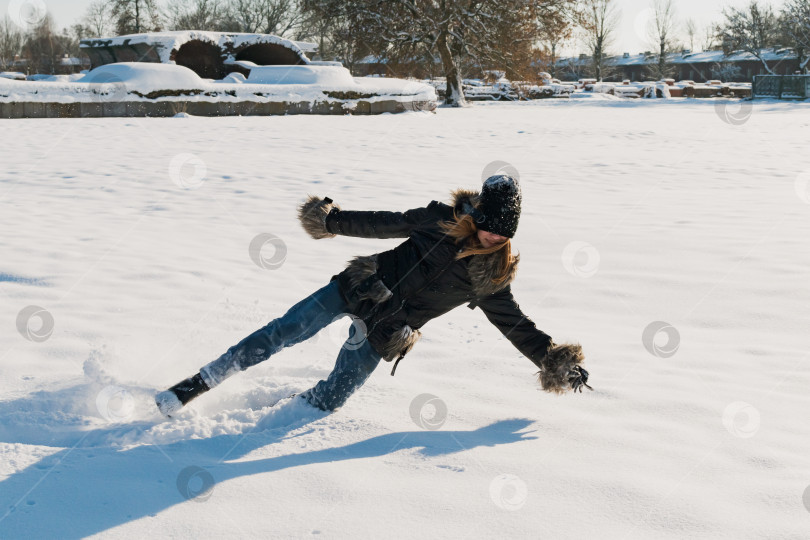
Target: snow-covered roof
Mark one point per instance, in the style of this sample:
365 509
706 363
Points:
306 46
337 76
15 75
687 58
374 59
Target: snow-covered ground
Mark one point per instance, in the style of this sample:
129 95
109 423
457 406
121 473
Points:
669 238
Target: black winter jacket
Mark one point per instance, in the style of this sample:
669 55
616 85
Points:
396 292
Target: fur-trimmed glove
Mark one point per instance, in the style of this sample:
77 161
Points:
313 212
561 370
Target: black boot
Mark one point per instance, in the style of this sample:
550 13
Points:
173 399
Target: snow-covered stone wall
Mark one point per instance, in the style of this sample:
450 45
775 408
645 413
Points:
147 89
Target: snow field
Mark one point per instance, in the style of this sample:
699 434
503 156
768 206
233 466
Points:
687 220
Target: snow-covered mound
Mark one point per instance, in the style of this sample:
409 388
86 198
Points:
12 75
331 76
145 78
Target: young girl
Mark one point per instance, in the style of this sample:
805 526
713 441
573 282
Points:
453 255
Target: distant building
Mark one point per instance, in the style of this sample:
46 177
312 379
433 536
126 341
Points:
19 63
418 67
370 65
686 65
70 64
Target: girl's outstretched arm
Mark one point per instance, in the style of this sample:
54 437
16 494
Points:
559 365
322 218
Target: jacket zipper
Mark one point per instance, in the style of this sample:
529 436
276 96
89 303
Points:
405 301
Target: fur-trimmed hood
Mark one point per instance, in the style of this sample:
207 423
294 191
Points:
461 198
482 268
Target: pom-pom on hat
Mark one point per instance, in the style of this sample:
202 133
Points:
498 210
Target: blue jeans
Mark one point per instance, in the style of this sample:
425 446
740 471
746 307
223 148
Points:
355 362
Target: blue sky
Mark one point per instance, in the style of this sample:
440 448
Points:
630 38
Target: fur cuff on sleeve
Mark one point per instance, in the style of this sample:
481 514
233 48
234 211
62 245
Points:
312 214
557 365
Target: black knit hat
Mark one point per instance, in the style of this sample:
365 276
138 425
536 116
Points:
498 211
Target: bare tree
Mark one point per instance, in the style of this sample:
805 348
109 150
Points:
278 17
751 30
98 20
333 31
11 42
601 20
244 15
195 15
690 26
461 32
710 36
660 33
135 16
554 32
43 47
795 24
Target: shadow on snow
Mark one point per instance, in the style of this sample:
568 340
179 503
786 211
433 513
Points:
82 491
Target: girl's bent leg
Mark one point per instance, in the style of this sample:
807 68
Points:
353 367
300 323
